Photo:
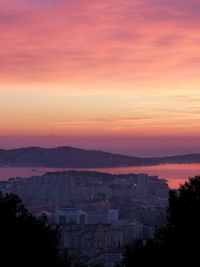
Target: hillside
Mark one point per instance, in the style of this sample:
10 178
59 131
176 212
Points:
69 157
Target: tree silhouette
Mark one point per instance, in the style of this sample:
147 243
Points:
24 240
139 254
181 236
177 243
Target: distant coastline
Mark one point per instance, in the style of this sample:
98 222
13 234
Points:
70 157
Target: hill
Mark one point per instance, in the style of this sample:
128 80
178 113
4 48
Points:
70 157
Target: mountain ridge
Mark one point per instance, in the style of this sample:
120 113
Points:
71 157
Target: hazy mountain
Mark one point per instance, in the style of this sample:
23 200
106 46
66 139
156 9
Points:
69 157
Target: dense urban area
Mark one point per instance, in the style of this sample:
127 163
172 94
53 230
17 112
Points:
98 213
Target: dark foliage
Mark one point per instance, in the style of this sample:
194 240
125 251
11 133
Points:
178 243
24 240
139 254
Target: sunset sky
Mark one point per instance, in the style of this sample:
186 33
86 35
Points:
117 75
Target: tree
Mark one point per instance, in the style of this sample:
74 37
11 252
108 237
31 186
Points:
177 243
24 240
139 254
181 236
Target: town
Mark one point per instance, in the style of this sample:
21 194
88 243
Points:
98 213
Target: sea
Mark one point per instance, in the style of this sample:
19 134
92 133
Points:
175 174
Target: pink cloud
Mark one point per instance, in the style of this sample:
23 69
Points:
78 41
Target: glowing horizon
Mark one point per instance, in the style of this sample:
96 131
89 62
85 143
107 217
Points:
100 68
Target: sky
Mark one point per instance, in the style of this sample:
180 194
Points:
116 75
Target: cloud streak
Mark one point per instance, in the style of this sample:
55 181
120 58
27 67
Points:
58 40
147 49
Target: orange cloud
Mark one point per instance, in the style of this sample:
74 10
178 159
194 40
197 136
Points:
131 65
